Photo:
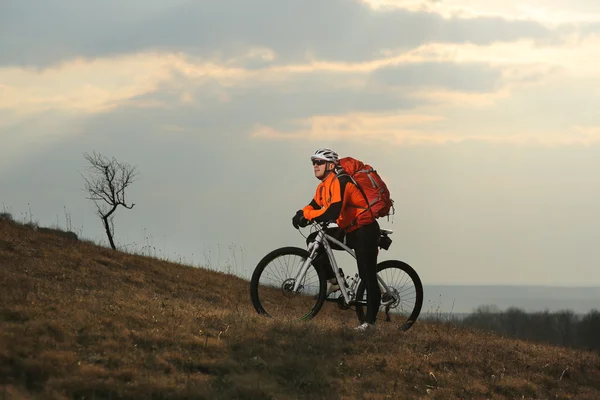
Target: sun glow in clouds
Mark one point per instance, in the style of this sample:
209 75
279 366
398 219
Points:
89 86
98 85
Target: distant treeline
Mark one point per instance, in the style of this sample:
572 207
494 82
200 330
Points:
564 328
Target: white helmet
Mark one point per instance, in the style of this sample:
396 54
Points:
327 155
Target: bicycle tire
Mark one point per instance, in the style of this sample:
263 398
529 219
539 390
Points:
255 287
407 322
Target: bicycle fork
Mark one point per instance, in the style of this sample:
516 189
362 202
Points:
312 251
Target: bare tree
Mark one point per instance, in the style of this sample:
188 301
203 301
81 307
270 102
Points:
106 186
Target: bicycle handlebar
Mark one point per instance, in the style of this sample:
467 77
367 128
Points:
325 224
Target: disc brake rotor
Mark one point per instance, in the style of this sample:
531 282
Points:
287 287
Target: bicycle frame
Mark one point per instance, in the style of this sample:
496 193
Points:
325 240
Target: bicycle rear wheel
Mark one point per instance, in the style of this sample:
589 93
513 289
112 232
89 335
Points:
405 299
272 283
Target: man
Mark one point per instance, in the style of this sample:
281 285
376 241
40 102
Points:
338 199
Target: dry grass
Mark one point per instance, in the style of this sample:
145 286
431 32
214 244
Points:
81 321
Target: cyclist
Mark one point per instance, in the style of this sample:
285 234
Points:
338 199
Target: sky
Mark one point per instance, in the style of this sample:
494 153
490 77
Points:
481 116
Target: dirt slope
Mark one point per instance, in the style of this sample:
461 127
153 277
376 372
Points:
81 321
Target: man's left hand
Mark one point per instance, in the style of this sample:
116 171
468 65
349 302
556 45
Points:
299 220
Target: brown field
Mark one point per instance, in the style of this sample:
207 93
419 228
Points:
85 322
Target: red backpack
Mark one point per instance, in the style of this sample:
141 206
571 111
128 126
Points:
370 184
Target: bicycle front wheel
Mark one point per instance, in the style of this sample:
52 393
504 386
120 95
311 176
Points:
272 286
404 298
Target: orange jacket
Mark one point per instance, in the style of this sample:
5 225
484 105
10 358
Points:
338 199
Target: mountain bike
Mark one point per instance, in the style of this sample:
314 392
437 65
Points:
286 285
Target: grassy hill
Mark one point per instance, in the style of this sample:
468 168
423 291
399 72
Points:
82 321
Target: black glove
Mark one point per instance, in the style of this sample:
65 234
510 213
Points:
298 220
303 222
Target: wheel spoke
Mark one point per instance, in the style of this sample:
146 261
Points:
273 281
406 289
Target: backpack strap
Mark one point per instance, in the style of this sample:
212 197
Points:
344 173
368 171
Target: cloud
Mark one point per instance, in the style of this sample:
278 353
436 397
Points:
466 77
384 129
362 127
550 13
464 88
87 86
342 30
101 84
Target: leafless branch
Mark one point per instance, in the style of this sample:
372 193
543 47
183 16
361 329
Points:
106 186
